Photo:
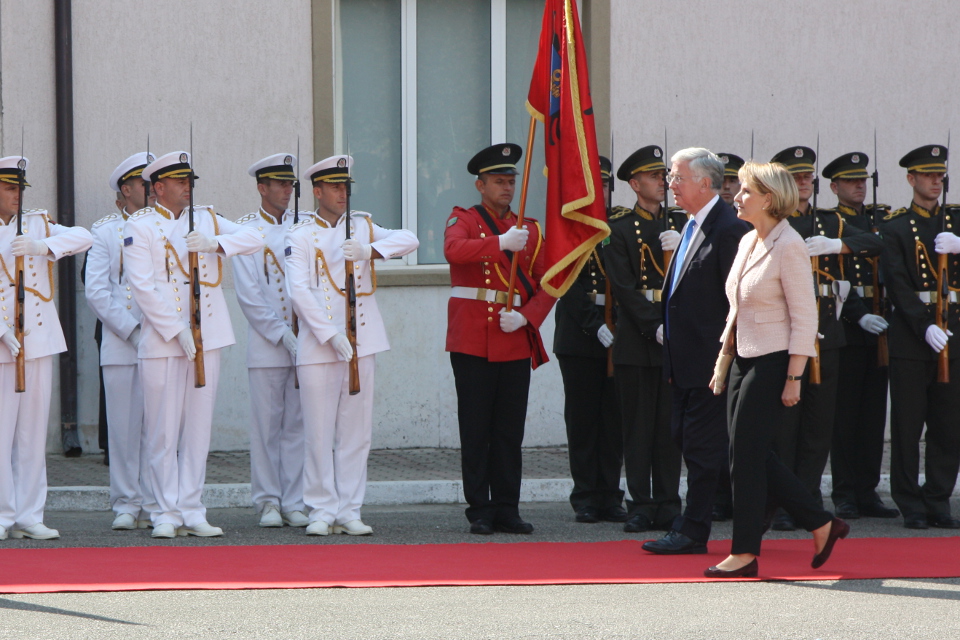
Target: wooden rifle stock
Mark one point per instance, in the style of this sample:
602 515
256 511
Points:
351 326
943 301
200 375
20 384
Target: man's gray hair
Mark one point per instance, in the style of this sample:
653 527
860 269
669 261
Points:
703 163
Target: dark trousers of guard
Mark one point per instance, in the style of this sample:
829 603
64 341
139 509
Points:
804 442
594 443
651 460
917 397
492 410
761 481
861 419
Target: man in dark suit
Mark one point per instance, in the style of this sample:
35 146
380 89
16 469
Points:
694 316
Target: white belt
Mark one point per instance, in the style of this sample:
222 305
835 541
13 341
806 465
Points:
864 292
825 290
485 295
598 298
931 297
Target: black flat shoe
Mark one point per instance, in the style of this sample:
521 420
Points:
588 515
748 570
838 529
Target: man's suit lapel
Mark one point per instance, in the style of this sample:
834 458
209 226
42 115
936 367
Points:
699 238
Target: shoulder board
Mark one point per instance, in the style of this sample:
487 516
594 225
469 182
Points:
895 214
105 219
675 210
34 212
953 207
301 224
619 212
360 213
141 213
247 218
879 206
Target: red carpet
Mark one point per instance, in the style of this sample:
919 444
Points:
373 565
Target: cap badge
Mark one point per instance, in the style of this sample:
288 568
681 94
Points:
724 159
288 160
855 159
183 157
935 152
506 151
342 162
151 157
798 153
656 153
22 164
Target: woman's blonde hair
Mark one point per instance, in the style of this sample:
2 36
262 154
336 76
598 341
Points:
774 179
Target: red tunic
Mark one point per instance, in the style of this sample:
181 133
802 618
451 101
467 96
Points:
473 326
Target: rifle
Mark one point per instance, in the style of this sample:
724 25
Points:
751 145
667 255
20 383
883 354
815 265
608 293
351 291
200 376
943 300
296 219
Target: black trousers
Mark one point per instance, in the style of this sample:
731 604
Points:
861 419
651 460
804 441
699 428
594 444
916 397
761 482
492 411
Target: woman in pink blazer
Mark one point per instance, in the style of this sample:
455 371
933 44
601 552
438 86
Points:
770 334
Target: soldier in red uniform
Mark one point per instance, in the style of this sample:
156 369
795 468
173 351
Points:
491 349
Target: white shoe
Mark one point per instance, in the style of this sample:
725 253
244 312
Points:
271 516
353 528
3 533
165 530
202 530
124 521
38 531
318 528
295 519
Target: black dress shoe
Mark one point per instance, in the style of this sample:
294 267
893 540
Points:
838 529
674 543
722 512
587 514
481 527
915 521
637 523
748 570
613 514
877 510
846 510
512 525
783 522
943 521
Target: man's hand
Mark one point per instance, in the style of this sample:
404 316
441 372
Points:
24 246
290 342
660 334
185 338
354 251
947 242
134 337
341 344
11 341
605 336
937 338
510 321
669 240
873 324
514 239
822 245
199 243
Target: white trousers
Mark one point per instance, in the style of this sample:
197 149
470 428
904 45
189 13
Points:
337 434
276 439
23 440
124 396
177 423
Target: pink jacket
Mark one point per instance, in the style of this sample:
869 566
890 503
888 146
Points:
771 295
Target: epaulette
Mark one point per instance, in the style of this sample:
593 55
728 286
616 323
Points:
618 212
675 210
34 212
895 214
247 218
302 223
104 220
360 213
878 206
140 213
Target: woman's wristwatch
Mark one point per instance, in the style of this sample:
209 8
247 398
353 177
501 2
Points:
791 378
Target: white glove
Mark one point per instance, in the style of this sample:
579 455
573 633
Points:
873 324
11 341
199 243
604 335
134 337
185 338
822 245
660 334
24 246
354 251
510 321
669 240
937 338
341 344
513 239
290 342
946 242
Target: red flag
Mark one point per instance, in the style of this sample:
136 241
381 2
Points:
560 98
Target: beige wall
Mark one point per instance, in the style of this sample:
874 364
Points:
710 72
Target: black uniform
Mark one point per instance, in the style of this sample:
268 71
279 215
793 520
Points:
909 268
635 267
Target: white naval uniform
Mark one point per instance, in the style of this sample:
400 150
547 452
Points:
24 416
110 297
178 416
338 425
276 420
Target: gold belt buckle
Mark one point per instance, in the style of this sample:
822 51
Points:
501 297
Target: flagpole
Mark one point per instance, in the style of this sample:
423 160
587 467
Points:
523 206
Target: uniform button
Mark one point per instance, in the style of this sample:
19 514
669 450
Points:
483 235
175 288
328 306
128 306
4 309
490 309
329 317
128 297
489 319
128 288
363 324
284 317
40 324
486 272
178 308
177 299
487 281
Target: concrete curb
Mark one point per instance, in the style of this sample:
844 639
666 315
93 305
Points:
385 493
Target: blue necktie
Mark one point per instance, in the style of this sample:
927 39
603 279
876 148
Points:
682 253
